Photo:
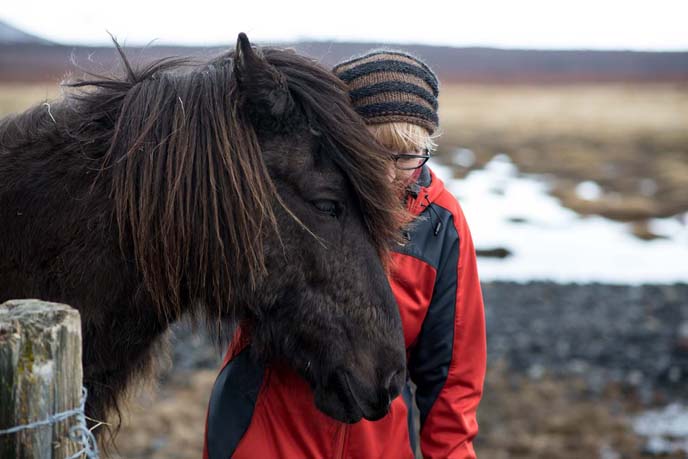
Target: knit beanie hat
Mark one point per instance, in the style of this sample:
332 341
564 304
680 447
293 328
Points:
389 86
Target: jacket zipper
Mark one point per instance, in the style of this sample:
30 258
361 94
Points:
341 441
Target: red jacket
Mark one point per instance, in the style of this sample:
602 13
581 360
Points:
258 411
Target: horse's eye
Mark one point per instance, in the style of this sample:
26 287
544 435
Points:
327 207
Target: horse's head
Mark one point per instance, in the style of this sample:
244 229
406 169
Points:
247 188
324 305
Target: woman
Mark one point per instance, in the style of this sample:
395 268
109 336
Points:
435 281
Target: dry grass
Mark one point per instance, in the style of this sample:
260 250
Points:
619 135
18 97
552 418
169 423
609 110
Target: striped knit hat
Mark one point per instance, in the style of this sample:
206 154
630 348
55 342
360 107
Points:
388 86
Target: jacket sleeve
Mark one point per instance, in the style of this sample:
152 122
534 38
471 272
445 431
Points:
447 363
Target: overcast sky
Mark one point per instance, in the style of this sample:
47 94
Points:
590 24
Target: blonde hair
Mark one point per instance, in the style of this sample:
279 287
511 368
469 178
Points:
403 137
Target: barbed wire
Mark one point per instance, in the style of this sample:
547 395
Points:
78 433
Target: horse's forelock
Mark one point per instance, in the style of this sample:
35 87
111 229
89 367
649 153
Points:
356 152
188 179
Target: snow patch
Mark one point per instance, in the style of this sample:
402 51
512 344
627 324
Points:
589 190
550 242
666 429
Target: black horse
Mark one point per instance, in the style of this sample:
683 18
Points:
240 190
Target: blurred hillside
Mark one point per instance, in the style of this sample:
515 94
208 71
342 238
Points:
11 35
24 58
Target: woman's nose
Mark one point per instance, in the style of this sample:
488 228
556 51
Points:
391 171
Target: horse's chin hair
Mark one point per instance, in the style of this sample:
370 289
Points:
147 381
143 384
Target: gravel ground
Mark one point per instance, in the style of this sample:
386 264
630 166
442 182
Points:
633 335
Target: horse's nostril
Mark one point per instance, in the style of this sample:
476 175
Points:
393 386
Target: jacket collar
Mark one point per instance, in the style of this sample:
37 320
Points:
423 180
423 191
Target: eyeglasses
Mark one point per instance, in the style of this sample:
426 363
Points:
409 161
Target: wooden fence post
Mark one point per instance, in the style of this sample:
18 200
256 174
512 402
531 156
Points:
40 375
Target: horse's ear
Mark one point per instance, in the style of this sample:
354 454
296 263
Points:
263 88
